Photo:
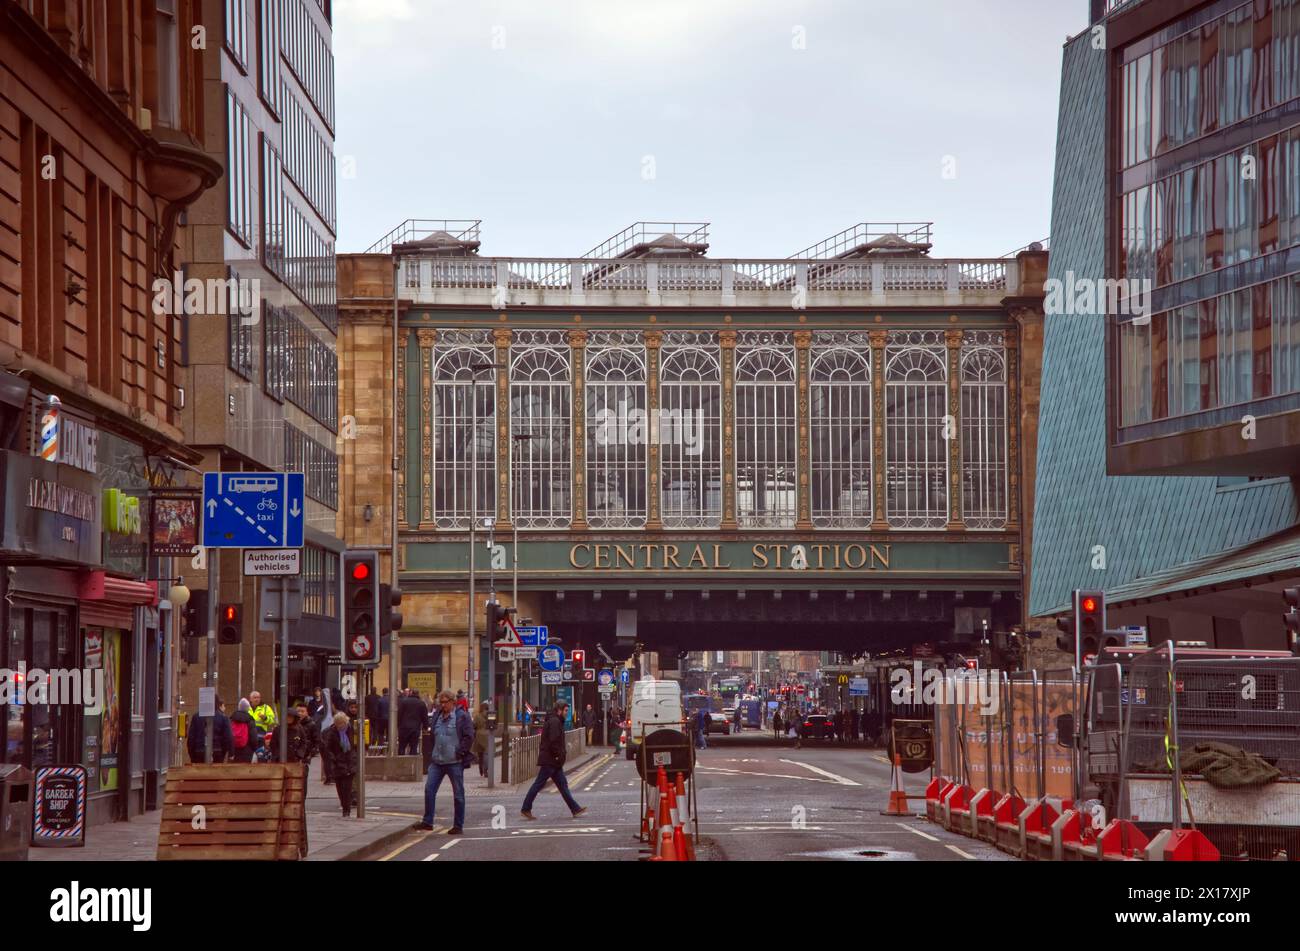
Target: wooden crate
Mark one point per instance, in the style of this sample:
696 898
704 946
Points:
250 811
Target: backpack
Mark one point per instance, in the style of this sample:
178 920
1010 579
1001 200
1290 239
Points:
240 732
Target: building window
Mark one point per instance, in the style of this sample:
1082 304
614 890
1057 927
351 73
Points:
690 398
272 210
766 423
240 321
320 582
1135 372
237 32
167 41
272 26
1285 300
238 177
618 429
318 464
540 376
984 430
916 413
300 367
464 428
840 416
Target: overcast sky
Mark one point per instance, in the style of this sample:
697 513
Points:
559 122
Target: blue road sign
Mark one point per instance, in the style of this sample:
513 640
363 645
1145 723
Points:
623 675
252 509
533 636
551 658
605 677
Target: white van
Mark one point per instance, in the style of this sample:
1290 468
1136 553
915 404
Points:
656 704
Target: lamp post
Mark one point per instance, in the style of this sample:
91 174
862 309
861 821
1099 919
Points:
515 440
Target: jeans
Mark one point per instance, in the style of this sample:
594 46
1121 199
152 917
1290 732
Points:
561 783
456 773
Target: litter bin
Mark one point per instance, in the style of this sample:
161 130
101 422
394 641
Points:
15 813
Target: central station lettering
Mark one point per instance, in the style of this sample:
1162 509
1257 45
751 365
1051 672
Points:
712 557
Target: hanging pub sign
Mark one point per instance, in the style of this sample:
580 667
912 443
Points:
59 812
173 523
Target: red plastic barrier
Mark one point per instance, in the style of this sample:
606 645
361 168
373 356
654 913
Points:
1121 841
1189 845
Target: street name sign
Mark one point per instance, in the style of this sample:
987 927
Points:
253 509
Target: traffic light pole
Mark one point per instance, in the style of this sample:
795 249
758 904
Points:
211 680
282 728
363 691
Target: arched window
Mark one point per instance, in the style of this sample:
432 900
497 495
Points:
916 411
984 430
840 415
462 406
766 426
541 472
618 430
689 430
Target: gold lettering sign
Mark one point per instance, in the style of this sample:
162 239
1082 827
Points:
763 556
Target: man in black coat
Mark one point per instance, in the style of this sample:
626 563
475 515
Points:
551 754
223 742
412 716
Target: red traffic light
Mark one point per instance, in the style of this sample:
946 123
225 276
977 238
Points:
360 571
1089 605
229 613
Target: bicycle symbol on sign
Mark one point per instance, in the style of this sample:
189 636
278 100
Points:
268 504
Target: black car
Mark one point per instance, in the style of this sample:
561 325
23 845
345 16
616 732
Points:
816 727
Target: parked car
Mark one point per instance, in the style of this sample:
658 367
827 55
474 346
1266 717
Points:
718 723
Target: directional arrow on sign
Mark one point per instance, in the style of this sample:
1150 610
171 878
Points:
294 510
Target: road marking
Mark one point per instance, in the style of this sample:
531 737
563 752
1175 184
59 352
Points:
924 835
882 759
965 855
444 848
430 857
402 848
745 772
817 769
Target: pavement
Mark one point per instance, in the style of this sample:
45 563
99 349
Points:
392 809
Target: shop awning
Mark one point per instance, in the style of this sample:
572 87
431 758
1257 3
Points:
101 586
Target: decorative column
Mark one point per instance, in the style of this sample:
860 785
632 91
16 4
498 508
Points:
399 420
653 341
952 431
727 343
879 338
505 445
1012 343
802 341
426 340
578 344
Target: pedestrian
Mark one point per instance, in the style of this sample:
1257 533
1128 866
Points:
381 728
412 716
776 724
310 736
737 719
315 703
246 736
296 743
481 738
702 729
589 723
337 748
550 763
222 740
266 753
453 739
263 714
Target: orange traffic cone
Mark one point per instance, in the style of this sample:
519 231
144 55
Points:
684 813
897 798
679 839
666 852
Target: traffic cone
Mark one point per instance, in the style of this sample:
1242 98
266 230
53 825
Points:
684 813
679 839
665 813
897 798
666 852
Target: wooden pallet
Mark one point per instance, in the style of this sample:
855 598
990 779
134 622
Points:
248 812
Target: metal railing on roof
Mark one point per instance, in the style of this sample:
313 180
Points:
413 229
864 232
1043 245
645 232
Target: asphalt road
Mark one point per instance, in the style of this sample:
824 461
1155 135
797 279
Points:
757 799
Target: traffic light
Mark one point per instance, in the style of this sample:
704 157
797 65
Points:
498 619
1292 618
389 620
1091 609
360 608
1067 624
230 626
194 615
